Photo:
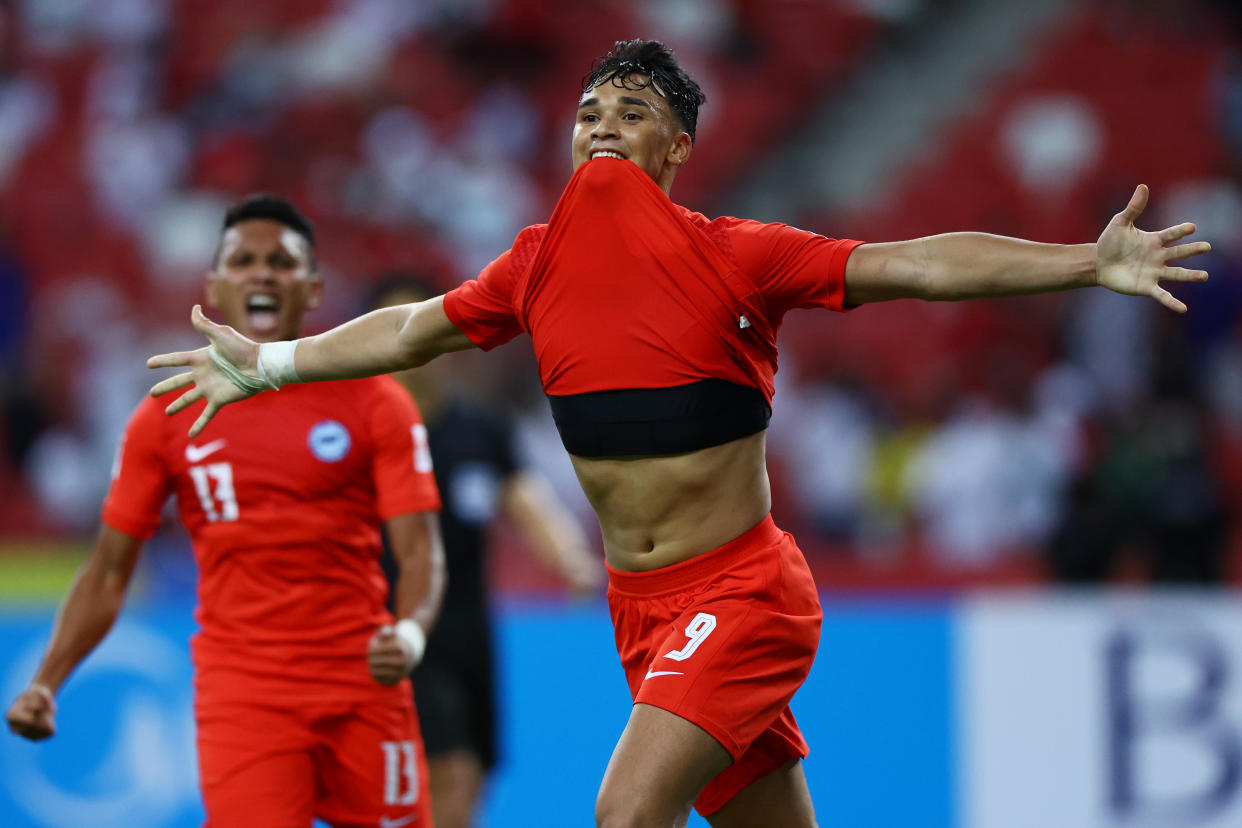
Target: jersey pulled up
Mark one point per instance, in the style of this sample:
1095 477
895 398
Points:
623 289
283 499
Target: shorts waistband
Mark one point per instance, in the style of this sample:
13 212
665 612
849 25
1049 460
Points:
685 574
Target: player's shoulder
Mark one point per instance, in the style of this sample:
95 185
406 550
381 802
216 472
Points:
526 245
352 391
726 232
149 406
733 224
532 233
723 226
382 393
150 431
693 217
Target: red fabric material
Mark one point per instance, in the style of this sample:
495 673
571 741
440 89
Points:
625 289
283 497
283 765
734 680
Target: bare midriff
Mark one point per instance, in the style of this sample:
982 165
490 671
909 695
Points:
658 511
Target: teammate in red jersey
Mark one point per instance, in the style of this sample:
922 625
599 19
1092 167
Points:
302 703
655 334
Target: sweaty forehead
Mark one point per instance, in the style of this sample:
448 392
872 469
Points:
630 86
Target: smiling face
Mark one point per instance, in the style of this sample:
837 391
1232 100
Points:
263 280
637 124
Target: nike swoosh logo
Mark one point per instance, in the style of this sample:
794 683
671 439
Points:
387 822
654 673
196 453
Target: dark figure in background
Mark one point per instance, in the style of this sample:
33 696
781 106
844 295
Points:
481 478
1152 489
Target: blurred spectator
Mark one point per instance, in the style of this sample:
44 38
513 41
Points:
1053 141
13 305
1229 92
1110 342
830 482
1152 490
68 463
27 111
1223 372
987 482
20 415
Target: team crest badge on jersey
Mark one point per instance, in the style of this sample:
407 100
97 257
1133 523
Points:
329 441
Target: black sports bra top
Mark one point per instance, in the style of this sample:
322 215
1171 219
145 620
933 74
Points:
658 421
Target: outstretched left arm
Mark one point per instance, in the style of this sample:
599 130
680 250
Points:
972 265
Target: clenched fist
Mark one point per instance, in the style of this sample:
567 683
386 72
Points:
32 714
391 655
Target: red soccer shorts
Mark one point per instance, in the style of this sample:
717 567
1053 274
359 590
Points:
349 764
724 640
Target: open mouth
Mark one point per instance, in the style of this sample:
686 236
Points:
263 312
607 154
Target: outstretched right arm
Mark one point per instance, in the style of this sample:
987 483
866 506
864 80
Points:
953 266
383 341
233 367
88 612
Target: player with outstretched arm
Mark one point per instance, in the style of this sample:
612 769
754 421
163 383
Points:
655 333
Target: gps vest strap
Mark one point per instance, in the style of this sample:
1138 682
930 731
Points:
658 421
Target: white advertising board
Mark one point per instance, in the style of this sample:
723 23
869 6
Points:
1089 711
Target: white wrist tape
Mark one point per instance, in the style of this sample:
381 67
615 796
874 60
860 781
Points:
239 378
412 635
276 363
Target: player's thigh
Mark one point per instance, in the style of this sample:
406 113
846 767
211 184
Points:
371 765
657 769
778 798
255 766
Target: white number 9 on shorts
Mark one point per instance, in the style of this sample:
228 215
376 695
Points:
697 631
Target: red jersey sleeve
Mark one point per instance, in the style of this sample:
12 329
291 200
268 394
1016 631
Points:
482 308
140 479
792 268
401 460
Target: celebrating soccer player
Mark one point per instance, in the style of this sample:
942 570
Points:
302 703
655 333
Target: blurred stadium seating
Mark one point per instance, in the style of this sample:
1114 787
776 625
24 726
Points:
128 128
424 135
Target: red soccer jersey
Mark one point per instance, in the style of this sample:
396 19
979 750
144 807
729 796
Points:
283 497
625 289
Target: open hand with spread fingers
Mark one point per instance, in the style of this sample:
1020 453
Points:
210 370
1133 261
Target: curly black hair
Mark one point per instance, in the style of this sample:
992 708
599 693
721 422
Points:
653 59
273 208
